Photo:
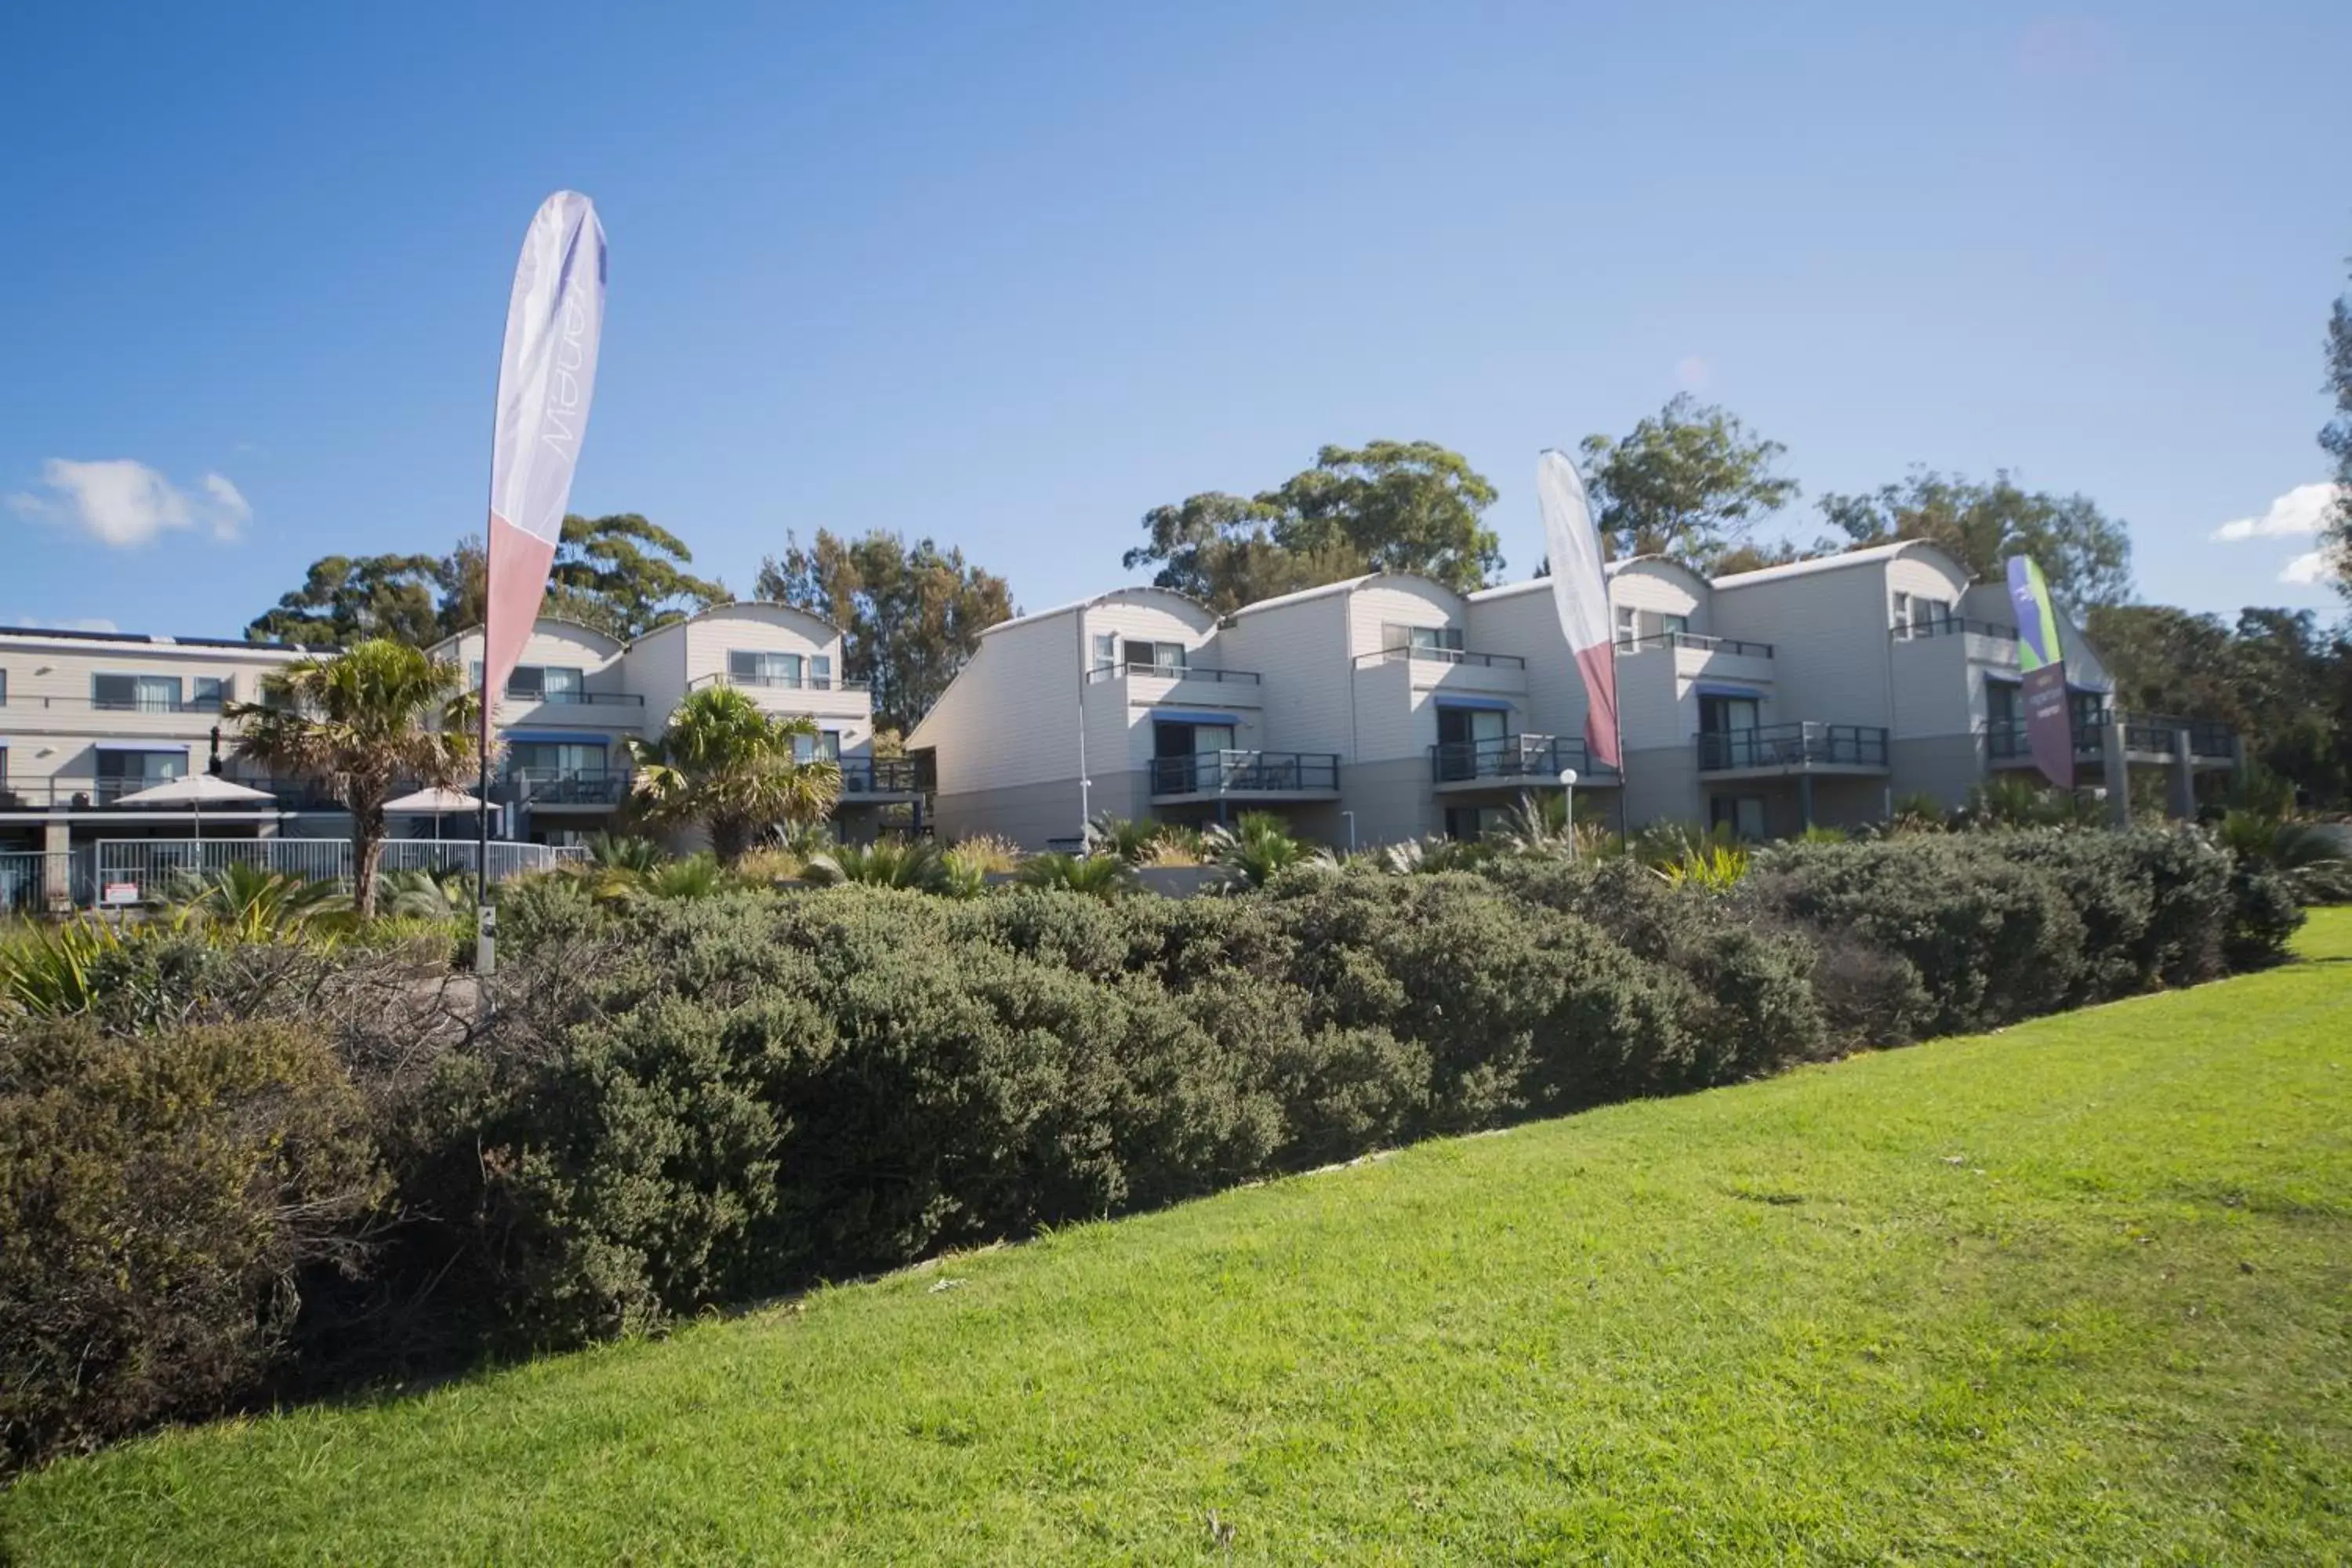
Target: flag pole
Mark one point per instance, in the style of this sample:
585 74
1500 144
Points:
486 919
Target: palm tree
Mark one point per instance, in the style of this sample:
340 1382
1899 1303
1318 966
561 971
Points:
371 718
729 767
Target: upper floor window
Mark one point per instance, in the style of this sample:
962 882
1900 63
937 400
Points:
2001 704
546 683
1105 650
4 688
1155 655
1629 623
136 693
1448 639
1930 612
1903 611
758 668
1673 626
825 744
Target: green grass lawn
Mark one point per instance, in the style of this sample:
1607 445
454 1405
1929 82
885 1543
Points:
2080 1290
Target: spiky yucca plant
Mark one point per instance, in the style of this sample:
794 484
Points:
885 863
1100 876
1258 847
359 724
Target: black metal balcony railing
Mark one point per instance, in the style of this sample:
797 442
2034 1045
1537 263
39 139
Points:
2145 735
1532 759
783 682
1952 627
84 792
568 699
31 702
565 786
877 775
1701 642
1799 745
1174 672
1244 772
1422 654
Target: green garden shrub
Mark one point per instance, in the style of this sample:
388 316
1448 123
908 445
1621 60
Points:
2264 913
162 1200
1993 938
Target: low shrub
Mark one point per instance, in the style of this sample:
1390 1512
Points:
160 1200
662 1103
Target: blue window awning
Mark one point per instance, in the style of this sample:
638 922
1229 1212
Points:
1482 704
179 750
559 738
1191 716
1745 694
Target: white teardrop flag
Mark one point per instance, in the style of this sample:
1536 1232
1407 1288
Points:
1580 592
546 377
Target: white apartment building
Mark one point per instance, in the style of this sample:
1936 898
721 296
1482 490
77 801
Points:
86 719
1366 711
1386 707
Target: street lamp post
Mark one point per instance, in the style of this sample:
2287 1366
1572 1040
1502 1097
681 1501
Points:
1568 808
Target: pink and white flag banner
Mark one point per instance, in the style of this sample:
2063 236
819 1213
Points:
555 321
1580 592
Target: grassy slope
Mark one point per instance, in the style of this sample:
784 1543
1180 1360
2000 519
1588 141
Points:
2082 1290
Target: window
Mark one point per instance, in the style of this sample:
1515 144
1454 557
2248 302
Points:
4 694
544 759
1434 639
2002 711
1927 614
754 668
126 772
1903 611
820 668
1727 715
1744 812
1105 650
210 692
825 744
2089 708
1673 626
135 693
1629 624
1159 656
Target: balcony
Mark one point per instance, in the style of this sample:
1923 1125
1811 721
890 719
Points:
1982 642
1699 642
1229 776
1799 748
1172 672
2151 738
1512 762
781 682
560 789
82 792
1443 669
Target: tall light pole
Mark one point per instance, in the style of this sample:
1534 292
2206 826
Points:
1568 808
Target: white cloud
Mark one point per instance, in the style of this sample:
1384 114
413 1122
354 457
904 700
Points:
2306 569
2303 510
124 504
1693 372
75 624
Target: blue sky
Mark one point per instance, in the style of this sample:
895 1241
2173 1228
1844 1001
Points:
1011 275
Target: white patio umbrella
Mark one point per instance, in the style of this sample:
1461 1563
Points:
436 803
194 791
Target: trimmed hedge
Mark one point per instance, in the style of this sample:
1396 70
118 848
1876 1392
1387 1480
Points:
686 1102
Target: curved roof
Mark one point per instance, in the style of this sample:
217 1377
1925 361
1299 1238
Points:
566 622
1543 585
734 605
1130 591
1869 554
1344 585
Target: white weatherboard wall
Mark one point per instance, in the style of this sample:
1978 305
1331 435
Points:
562 644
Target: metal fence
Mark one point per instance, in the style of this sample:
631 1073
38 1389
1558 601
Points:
134 870
31 879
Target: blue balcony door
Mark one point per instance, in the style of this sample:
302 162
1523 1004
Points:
1467 735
